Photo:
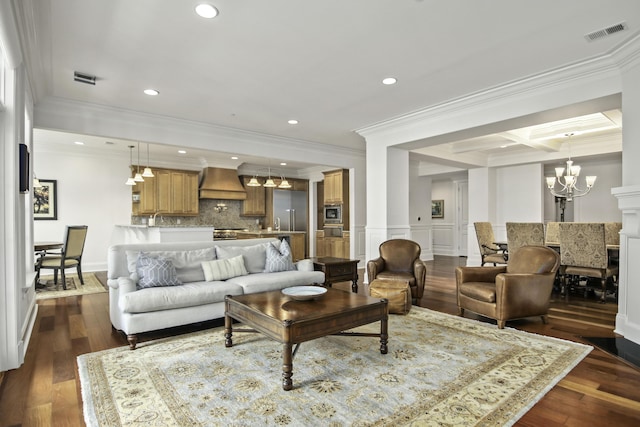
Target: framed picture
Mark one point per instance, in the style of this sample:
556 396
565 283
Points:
45 203
437 209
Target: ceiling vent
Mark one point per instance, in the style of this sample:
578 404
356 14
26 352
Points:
606 32
84 78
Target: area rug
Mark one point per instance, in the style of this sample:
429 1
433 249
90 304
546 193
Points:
91 286
440 370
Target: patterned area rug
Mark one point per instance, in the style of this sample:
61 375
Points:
440 370
91 286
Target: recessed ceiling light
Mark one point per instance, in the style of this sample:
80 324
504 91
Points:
234 157
283 163
151 92
389 81
182 152
79 143
293 122
206 11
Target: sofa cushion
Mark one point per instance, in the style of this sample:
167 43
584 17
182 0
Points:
223 269
261 282
155 272
278 259
187 263
187 295
254 256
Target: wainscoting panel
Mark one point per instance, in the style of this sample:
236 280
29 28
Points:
444 239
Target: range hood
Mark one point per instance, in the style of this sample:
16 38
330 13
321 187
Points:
220 183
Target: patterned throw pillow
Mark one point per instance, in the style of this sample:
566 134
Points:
279 260
223 269
155 272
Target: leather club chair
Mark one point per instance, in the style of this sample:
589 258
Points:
520 289
399 260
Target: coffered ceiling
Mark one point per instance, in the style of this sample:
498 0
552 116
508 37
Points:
259 64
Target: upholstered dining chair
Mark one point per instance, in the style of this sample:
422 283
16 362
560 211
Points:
552 234
70 255
612 232
489 252
520 289
524 234
583 253
399 260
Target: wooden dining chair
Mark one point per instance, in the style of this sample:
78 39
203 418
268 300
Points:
583 253
489 252
70 255
521 234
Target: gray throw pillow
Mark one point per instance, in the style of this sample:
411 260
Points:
155 272
279 260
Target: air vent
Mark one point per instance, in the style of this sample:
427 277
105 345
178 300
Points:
84 78
606 32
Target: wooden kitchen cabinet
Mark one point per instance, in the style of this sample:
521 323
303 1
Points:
336 187
255 203
337 247
170 192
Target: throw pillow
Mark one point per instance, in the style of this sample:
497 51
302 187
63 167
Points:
155 272
186 262
223 269
279 260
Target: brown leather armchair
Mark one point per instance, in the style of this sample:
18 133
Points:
399 260
520 289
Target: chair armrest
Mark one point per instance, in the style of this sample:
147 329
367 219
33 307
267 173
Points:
374 267
478 274
523 293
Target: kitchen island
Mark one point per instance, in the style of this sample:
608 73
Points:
160 234
296 239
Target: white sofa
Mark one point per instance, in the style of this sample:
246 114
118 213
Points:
133 310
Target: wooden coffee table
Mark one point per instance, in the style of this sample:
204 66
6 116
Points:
292 322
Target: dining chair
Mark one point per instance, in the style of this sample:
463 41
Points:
552 234
612 233
583 253
489 252
524 234
70 255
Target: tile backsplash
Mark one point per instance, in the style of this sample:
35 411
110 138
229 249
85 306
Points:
209 215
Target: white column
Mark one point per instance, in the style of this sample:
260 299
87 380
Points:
628 318
482 208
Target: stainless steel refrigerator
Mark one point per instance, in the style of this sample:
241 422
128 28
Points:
290 209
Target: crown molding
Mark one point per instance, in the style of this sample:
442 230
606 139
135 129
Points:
577 82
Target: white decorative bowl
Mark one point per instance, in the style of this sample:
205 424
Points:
303 293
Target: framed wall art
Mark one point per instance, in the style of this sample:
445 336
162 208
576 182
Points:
437 209
45 200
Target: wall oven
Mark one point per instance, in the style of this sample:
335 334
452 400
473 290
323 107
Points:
333 214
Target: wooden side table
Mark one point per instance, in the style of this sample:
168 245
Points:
337 270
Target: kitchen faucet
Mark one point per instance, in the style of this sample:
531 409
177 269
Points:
152 219
277 224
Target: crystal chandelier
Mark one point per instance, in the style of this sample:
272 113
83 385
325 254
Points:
568 183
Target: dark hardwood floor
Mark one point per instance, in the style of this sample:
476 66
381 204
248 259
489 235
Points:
602 390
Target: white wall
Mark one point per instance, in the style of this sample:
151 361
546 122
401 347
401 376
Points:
91 192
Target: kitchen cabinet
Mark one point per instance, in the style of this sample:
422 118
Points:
336 187
170 192
255 203
338 247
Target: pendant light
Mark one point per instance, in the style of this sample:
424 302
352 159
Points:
147 173
284 183
130 181
138 177
253 182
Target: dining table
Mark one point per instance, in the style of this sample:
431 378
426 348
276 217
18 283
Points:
40 249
